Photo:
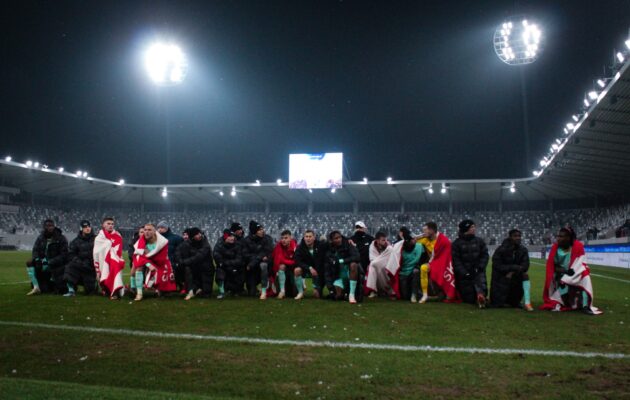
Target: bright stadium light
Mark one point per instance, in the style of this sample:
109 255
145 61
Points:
571 126
29 163
601 83
310 190
279 181
165 63
7 158
257 182
443 189
365 180
79 173
586 103
592 95
85 174
513 189
121 182
620 57
333 190
60 169
628 43
575 118
221 193
164 192
518 42
233 193
36 164
389 179
431 189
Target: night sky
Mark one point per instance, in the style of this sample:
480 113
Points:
403 89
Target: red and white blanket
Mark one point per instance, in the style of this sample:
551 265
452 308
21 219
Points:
377 278
160 271
581 279
393 267
108 261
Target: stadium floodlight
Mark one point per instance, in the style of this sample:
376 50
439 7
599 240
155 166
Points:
233 192
571 126
85 174
620 57
628 43
221 193
586 103
592 95
279 181
566 131
165 63
333 190
310 190
164 192
365 180
389 180
513 189
79 173
257 182
575 118
430 189
36 164
443 189
518 41
7 158
29 163
601 83
60 169
121 181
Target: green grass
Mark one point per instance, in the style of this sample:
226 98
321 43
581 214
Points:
49 363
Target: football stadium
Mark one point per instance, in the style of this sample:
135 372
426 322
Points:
318 200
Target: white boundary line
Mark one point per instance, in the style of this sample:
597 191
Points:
13 283
313 343
597 275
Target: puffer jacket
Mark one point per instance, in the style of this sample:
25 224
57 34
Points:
508 258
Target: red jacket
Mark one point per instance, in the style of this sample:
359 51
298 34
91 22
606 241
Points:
283 255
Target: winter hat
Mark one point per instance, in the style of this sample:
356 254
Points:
254 227
84 223
227 233
465 225
192 231
236 227
360 224
162 224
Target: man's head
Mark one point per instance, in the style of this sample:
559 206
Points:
108 224
229 236
380 240
565 237
515 236
141 231
162 227
402 231
430 230
86 227
335 238
467 227
149 232
195 234
184 235
309 237
237 229
285 237
256 229
49 226
360 226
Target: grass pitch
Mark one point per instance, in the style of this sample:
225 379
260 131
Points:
40 363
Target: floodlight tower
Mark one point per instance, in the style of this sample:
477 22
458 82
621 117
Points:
518 41
166 65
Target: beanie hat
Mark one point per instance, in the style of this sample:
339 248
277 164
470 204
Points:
465 225
254 227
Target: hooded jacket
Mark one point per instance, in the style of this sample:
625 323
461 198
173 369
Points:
508 258
346 251
80 252
54 252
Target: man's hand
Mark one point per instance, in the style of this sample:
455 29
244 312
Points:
264 258
352 242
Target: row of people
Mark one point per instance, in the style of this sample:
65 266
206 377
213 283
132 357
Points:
415 268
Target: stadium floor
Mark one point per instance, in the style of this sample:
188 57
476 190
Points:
208 352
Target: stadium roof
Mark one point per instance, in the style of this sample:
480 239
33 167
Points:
591 159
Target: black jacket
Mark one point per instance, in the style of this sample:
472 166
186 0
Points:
508 258
470 255
80 252
304 259
255 248
362 240
54 252
193 253
174 240
228 256
346 251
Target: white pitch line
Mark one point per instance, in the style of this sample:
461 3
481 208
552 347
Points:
326 343
597 275
13 283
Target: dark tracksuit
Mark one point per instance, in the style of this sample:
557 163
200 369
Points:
230 265
304 260
362 240
254 250
470 258
49 259
195 259
508 258
80 267
332 267
174 240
